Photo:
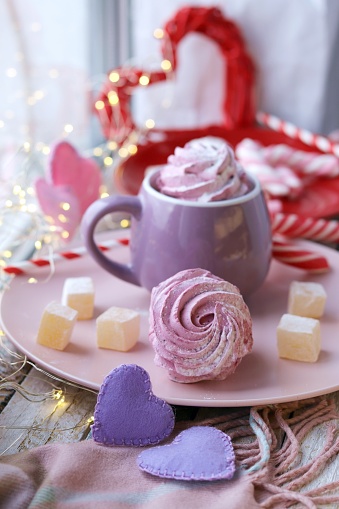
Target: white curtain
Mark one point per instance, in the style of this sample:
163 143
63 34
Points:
294 45
44 73
44 84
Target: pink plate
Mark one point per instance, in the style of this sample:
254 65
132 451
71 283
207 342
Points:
261 378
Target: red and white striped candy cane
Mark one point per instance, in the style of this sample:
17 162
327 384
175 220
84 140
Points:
283 251
279 181
290 254
27 266
252 153
306 163
294 226
310 139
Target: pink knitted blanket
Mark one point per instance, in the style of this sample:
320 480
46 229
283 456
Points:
269 471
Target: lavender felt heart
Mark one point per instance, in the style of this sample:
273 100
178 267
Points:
127 412
200 453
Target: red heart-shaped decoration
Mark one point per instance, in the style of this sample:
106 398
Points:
239 108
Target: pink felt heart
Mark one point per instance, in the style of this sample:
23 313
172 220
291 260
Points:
70 179
81 175
127 412
200 453
51 200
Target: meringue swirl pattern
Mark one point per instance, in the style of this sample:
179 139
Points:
203 170
200 326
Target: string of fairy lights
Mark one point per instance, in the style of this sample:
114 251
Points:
19 197
16 363
22 220
130 147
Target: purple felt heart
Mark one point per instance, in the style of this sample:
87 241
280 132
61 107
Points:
127 412
200 453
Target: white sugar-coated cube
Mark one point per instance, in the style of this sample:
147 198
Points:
306 299
118 329
78 293
56 325
299 338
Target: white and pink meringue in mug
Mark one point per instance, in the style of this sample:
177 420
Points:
217 220
203 170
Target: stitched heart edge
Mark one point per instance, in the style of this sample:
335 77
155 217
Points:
144 441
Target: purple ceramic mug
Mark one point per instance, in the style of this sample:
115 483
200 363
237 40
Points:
230 238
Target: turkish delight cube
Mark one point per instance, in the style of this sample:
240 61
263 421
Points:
118 329
299 338
306 299
56 325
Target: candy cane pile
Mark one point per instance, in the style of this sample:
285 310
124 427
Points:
282 170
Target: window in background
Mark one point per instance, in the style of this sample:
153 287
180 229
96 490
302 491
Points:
44 72
54 57
109 43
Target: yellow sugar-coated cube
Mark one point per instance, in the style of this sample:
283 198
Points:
56 325
78 293
118 329
299 338
306 299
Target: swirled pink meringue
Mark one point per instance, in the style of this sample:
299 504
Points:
203 170
200 326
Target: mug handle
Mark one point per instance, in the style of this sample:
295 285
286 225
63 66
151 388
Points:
96 211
